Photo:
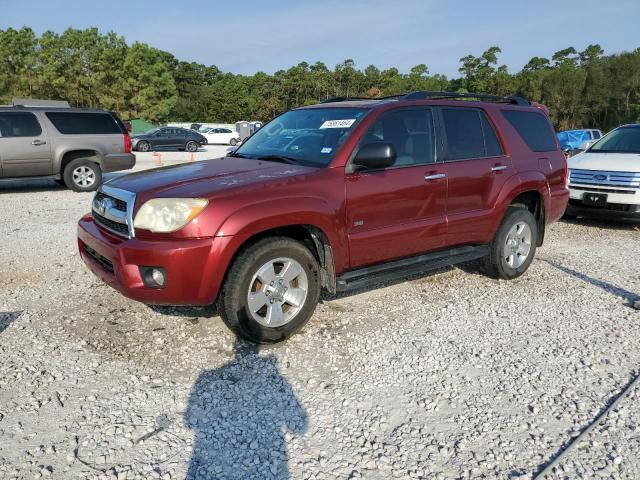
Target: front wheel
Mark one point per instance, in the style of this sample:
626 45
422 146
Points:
144 146
271 290
233 142
191 146
513 246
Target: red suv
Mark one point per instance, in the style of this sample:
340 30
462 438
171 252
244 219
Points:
333 196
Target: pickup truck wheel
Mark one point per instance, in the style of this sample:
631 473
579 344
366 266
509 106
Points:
82 175
271 290
513 246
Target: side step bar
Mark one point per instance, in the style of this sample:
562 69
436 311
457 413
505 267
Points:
408 266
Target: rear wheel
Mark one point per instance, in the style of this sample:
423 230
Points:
233 142
271 290
513 246
82 175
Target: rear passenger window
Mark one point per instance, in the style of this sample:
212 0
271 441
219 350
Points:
466 129
534 128
410 132
19 124
76 123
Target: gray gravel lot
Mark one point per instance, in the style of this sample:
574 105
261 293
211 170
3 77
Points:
449 375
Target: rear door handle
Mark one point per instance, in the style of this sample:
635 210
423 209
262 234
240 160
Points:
498 168
38 142
435 176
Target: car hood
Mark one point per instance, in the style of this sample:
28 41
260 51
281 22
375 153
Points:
610 162
205 178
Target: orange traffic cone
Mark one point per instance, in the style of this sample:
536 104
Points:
158 161
192 157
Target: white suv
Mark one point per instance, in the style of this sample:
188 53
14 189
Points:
604 180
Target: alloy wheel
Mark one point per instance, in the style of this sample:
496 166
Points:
277 292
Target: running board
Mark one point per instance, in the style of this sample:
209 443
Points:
408 266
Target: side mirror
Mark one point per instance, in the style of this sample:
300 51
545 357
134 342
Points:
376 155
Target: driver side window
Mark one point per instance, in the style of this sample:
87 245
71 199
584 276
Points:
411 132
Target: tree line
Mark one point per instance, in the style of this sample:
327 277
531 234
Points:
90 69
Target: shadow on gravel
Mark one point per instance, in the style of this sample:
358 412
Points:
192 312
240 414
7 318
606 286
608 224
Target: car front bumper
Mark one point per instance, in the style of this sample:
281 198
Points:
612 211
194 268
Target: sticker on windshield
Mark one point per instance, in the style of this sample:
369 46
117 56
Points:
326 150
338 123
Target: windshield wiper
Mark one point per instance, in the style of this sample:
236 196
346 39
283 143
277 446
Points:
238 155
279 158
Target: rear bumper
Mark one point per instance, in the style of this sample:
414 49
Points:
557 204
612 211
194 267
118 161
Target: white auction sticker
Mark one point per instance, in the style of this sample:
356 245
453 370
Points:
338 123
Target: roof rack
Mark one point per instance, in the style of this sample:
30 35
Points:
345 99
426 95
35 102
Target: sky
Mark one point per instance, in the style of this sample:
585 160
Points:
251 36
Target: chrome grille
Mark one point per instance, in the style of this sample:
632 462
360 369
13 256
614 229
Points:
112 210
605 178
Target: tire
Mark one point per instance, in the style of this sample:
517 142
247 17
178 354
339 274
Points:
82 175
143 146
517 233
191 146
233 142
249 273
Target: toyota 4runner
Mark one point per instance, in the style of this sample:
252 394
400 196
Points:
73 146
334 196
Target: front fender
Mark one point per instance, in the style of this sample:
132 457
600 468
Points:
259 217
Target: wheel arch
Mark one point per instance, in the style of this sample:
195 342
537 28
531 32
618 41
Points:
69 156
312 236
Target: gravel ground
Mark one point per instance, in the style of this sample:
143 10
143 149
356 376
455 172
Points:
450 375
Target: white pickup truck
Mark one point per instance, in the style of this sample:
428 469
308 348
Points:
604 180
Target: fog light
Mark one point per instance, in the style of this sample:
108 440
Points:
158 276
153 277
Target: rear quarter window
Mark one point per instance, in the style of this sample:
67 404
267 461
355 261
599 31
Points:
534 128
76 123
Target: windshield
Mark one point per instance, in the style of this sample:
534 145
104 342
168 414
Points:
620 140
152 131
307 137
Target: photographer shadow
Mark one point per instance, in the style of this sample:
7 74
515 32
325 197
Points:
240 414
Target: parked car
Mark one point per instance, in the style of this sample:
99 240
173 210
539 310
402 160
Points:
605 178
221 136
166 138
70 145
335 196
571 140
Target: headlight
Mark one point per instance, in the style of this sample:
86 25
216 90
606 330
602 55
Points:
165 215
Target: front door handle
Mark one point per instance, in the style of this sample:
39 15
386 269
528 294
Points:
435 176
498 168
38 142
